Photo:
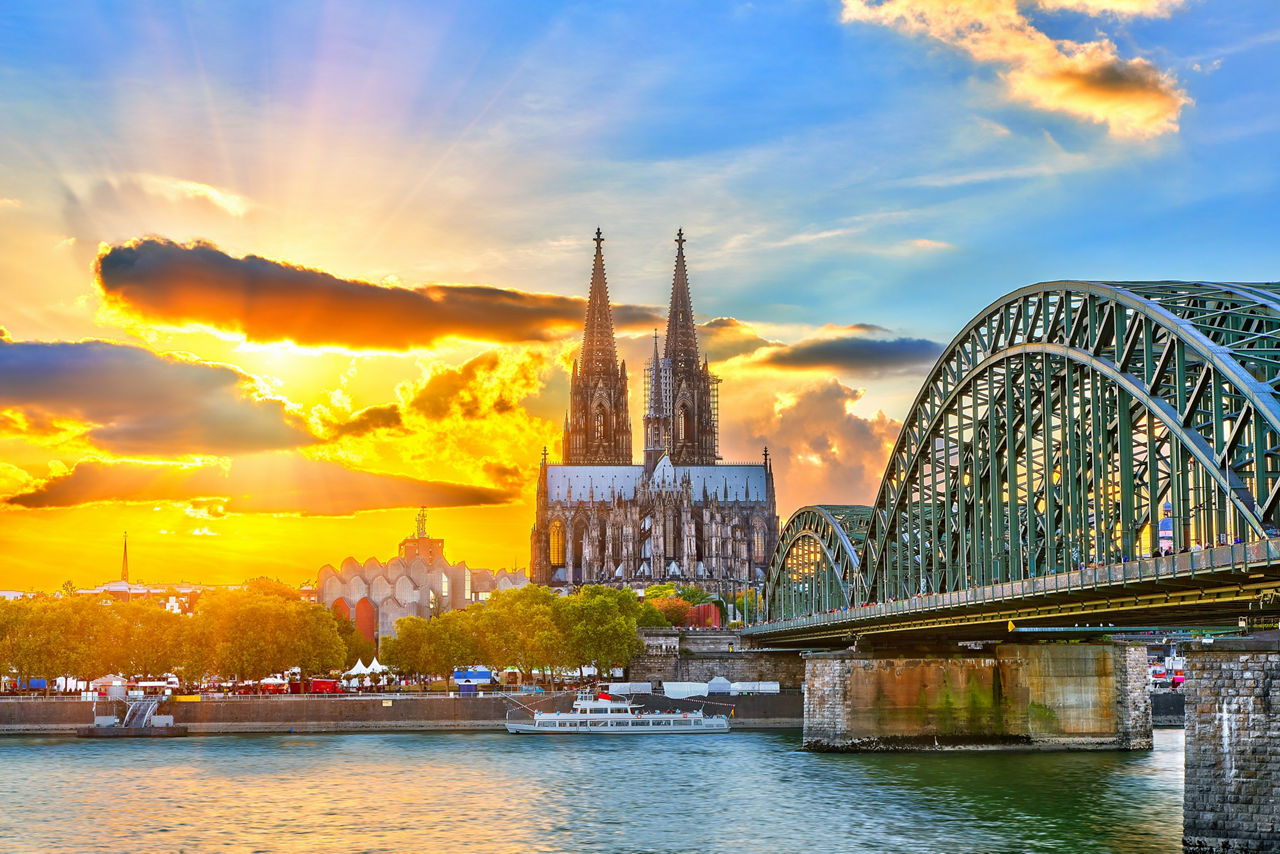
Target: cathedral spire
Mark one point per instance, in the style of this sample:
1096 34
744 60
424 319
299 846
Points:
124 563
597 428
655 384
682 336
599 352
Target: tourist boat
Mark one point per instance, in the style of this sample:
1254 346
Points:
604 714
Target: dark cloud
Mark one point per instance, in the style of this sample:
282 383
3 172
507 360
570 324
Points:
140 403
266 300
385 417
852 353
271 483
725 337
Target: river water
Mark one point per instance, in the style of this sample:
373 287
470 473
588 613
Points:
749 791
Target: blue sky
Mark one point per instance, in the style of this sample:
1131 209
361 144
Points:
877 172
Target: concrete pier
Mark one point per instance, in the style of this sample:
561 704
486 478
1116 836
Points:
1012 696
1230 801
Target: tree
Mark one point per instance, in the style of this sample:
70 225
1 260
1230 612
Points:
598 632
450 644
320 648
145 639
518 628
404 651
651 618
358 647
674 609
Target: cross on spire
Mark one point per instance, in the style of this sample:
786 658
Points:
599 237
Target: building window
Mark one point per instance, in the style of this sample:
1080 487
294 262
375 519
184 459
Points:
669 534
683 425
599 422
757 542
557 543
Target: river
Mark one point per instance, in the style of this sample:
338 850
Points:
750 791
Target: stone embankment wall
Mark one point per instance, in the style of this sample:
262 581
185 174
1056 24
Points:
1230 801
672 655
1076 696
372 712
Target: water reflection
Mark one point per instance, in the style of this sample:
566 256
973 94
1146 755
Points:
490 792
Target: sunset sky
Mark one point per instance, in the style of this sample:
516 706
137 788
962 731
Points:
274 274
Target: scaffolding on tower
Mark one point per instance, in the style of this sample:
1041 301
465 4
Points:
715 416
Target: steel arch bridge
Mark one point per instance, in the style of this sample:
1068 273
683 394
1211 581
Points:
1068 428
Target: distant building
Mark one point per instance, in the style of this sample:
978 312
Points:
682 514
418 582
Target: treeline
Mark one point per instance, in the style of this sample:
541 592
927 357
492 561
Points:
527 629
246 634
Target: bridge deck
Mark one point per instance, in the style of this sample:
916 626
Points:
1217 583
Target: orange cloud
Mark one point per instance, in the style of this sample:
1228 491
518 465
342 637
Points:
823 453
174 284
270 483
1087 80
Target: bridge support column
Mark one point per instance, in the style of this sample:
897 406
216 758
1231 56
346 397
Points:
1019 696
1232 747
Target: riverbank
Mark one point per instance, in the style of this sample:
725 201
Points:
372 712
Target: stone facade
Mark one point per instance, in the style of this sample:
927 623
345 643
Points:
1079 696
1232 748
418 582
674 656
681 515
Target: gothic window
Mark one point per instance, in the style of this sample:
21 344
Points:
757 541
683 425
599 422
669 533
557 543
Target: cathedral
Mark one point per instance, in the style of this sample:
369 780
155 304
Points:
681 515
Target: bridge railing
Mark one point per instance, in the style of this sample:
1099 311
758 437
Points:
1237 557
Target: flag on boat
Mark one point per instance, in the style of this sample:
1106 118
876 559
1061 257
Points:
604 696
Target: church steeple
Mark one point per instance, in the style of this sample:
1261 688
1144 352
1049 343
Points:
598 428
599 351
124 563
692 425
682 335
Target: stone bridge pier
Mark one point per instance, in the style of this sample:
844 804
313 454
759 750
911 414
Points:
1230 798
1009 696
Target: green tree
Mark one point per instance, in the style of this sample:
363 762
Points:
450 645
651 618
145 638
404 651
358 647
598 632
518 628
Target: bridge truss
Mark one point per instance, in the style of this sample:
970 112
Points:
1070 425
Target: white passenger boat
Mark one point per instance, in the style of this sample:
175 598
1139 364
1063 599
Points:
604 714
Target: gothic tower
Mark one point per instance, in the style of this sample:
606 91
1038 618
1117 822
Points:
597 428
681 417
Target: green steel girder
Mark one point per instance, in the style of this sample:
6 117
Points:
814 560
1058 429
1062 418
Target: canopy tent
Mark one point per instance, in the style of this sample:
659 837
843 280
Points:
107 681
358 670
375 667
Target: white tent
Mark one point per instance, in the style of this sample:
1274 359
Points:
375 667
358 670
680 690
